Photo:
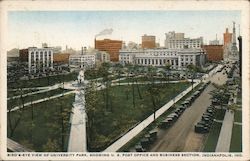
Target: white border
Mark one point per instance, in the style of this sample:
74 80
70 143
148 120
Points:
57 5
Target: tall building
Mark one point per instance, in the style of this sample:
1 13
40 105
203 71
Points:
234 49
214 52
38 59
178 41
230 46
148 42
177 58
112 47
227 38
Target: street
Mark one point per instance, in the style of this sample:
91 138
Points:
181 136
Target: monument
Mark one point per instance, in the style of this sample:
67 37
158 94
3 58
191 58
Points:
78 119
234 50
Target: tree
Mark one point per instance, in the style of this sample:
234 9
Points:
220 94
152 89
51 146
131 73
167 68
91 109
192 70
118 70
14 121
106 82
136 74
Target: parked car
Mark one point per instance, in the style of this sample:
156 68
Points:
201 129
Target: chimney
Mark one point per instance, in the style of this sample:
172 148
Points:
82 51
226 30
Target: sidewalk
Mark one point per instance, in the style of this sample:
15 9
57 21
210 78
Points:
40 100
224 141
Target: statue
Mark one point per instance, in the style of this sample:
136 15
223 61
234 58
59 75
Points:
80 77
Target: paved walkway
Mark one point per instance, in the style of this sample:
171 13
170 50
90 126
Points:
224 141
219 121
40 100
15 147
49 88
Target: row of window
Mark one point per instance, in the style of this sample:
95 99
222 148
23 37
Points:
156 61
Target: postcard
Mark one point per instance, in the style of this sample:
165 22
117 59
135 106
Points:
124 80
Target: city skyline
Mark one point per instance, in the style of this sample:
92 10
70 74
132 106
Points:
78 28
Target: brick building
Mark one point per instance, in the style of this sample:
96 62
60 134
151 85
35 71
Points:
148 42
112 47
227 37
62 58
214 52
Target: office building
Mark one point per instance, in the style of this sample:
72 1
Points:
38 59
62 58
148 42
227 37
178 41
78 61
112 47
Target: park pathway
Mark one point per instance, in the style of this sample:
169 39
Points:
41 100
15 147
224 141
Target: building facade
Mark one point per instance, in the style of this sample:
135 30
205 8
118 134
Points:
178 41
112 47
148 42
227 37
78 61
102 56
62 58
177 58
214 52
39 59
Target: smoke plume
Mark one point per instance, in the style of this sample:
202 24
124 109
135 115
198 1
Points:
105 32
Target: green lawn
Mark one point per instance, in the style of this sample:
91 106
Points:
219 114
44 81
238 116
143 79
108 125
212 139
236 140
18 101
16 93
45 125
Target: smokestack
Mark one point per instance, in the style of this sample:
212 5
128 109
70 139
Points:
82 51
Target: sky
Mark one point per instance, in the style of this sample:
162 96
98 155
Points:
78 28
